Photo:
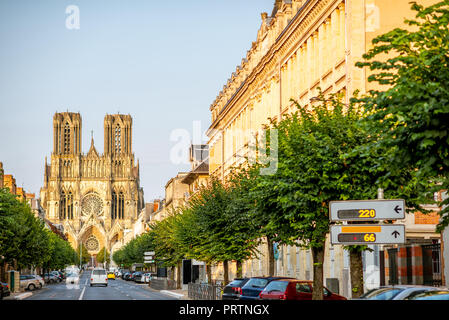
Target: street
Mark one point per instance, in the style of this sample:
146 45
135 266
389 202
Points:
116 290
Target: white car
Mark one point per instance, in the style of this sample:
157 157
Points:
72 278
99 276
146 277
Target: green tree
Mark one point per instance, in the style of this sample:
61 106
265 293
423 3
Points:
119 258
322 157
85 256
410 111
103 255
223 235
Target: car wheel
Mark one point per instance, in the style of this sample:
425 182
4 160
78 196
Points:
91 284
40 285
31 287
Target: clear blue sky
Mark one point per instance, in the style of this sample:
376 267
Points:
163 62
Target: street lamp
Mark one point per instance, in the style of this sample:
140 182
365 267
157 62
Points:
81 253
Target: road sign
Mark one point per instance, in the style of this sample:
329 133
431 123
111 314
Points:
149 261
367 210
368 234
149 253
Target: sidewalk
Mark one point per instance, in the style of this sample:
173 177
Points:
179 293
18 295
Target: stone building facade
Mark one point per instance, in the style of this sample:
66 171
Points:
95 197
301 46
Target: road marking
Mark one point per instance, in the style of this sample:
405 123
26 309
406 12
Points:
82 294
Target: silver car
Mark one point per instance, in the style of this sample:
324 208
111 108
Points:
29 282
395 292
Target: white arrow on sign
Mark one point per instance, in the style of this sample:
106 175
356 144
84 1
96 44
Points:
367 210
149 253
365 234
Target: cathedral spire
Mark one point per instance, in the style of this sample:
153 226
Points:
92 150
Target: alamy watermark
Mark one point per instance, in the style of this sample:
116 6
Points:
72 21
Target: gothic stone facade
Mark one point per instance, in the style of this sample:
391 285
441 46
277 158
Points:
96 197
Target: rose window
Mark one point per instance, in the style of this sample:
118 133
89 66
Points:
92 244
92 204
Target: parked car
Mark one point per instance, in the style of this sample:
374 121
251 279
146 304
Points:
72 278
60 274
233 290
431 295
118 274
127 276
132 275
4 290
111 275
294 290
252 289
395 292
41 281
137 276
146 277
98 276
50 278
29 282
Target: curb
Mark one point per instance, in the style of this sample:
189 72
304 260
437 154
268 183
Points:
23 296
176 295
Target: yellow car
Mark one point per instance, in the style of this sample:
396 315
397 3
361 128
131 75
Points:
111 275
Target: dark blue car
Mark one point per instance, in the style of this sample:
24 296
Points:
252 289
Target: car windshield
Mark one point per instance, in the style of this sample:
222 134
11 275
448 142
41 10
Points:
70 275
382 294
98 272
279 286
432 295
257 283
236 283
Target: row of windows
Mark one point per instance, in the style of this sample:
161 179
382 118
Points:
118 205
66 208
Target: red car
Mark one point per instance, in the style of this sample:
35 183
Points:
294 290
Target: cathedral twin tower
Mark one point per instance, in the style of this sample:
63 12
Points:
96 198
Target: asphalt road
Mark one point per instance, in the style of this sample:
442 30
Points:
116 290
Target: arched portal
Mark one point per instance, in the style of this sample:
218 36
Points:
93 240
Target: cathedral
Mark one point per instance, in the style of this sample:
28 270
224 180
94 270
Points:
95 197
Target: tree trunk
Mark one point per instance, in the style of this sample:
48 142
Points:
225 272
270 257
356 265
318 259
3 272
239 270
209 273
172 273
178 280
